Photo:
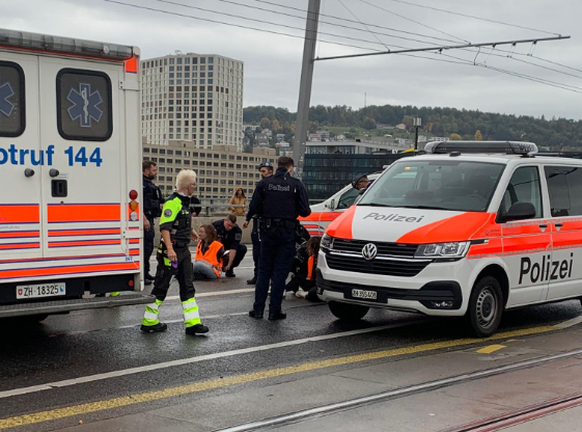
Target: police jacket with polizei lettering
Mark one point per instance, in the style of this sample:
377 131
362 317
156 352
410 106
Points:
177 218
152 199
279 196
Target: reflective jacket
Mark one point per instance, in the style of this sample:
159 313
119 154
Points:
212 255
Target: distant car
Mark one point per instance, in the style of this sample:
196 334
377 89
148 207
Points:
324 213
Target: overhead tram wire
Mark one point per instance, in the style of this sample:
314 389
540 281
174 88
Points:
472 16
232 15
341 19
411 20
173 3
354 15
167 12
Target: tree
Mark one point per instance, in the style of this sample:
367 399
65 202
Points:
478 135
369 123
276 126
265 123
455 136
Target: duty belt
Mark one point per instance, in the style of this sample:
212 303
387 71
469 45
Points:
179 245
280 223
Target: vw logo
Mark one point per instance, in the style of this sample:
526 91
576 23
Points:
369 251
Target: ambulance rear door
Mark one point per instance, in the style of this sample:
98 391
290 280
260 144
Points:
82 127
20 161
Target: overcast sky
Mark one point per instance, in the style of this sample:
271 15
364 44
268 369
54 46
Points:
273 62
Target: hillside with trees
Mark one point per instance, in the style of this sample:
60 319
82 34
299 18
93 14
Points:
561 133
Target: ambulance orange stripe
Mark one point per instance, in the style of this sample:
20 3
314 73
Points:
133 241
84 213
456 228
84 243
64 233
341 227
19 246
19 213
16 234
50 271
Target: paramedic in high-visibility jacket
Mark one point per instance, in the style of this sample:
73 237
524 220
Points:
174 258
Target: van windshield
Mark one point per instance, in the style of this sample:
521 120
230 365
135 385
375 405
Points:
443 184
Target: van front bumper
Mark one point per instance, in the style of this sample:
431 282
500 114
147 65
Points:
442 298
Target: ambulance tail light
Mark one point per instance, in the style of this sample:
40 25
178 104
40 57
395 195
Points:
64 45
133 205
452 250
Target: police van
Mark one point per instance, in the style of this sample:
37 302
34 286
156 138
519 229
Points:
481 227
324 213
70 169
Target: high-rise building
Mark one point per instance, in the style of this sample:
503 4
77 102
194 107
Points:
193 97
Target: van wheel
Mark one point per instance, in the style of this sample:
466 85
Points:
348 312
485 306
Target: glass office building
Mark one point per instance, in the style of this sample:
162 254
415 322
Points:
325 174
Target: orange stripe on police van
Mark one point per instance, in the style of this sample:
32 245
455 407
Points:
456 228
53 271
341 227
320 216
19 213
59 213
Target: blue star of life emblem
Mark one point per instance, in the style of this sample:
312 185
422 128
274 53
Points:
6 92
85 105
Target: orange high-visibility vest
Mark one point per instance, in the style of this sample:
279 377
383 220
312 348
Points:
310 267
210 255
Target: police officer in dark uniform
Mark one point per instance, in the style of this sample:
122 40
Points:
152 208
230 235
278 200
266 170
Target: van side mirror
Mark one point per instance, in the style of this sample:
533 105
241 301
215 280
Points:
331 204
519 211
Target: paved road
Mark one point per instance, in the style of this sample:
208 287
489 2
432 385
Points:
85 365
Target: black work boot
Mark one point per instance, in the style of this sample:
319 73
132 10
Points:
252 281
196 329
256 314
277 316
158 328
230 273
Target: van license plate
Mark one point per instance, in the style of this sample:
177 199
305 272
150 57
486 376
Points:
364 294
43 290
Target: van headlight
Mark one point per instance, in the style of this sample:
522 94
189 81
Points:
453 250
326 242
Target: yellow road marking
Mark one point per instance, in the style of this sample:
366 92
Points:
78 410
490 349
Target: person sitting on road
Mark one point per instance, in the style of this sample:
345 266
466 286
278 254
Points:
303 284
230 235
209 253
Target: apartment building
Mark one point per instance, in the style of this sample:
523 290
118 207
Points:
193 97
220 170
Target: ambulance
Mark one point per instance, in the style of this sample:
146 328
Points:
70 172
482 227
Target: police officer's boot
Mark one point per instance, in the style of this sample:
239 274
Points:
252 281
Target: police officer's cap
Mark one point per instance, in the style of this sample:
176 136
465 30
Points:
266 164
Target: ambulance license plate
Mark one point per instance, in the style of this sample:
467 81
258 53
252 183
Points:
364 294
43 290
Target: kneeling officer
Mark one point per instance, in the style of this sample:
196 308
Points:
174 258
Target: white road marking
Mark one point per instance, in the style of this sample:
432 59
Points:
570 323
164 365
